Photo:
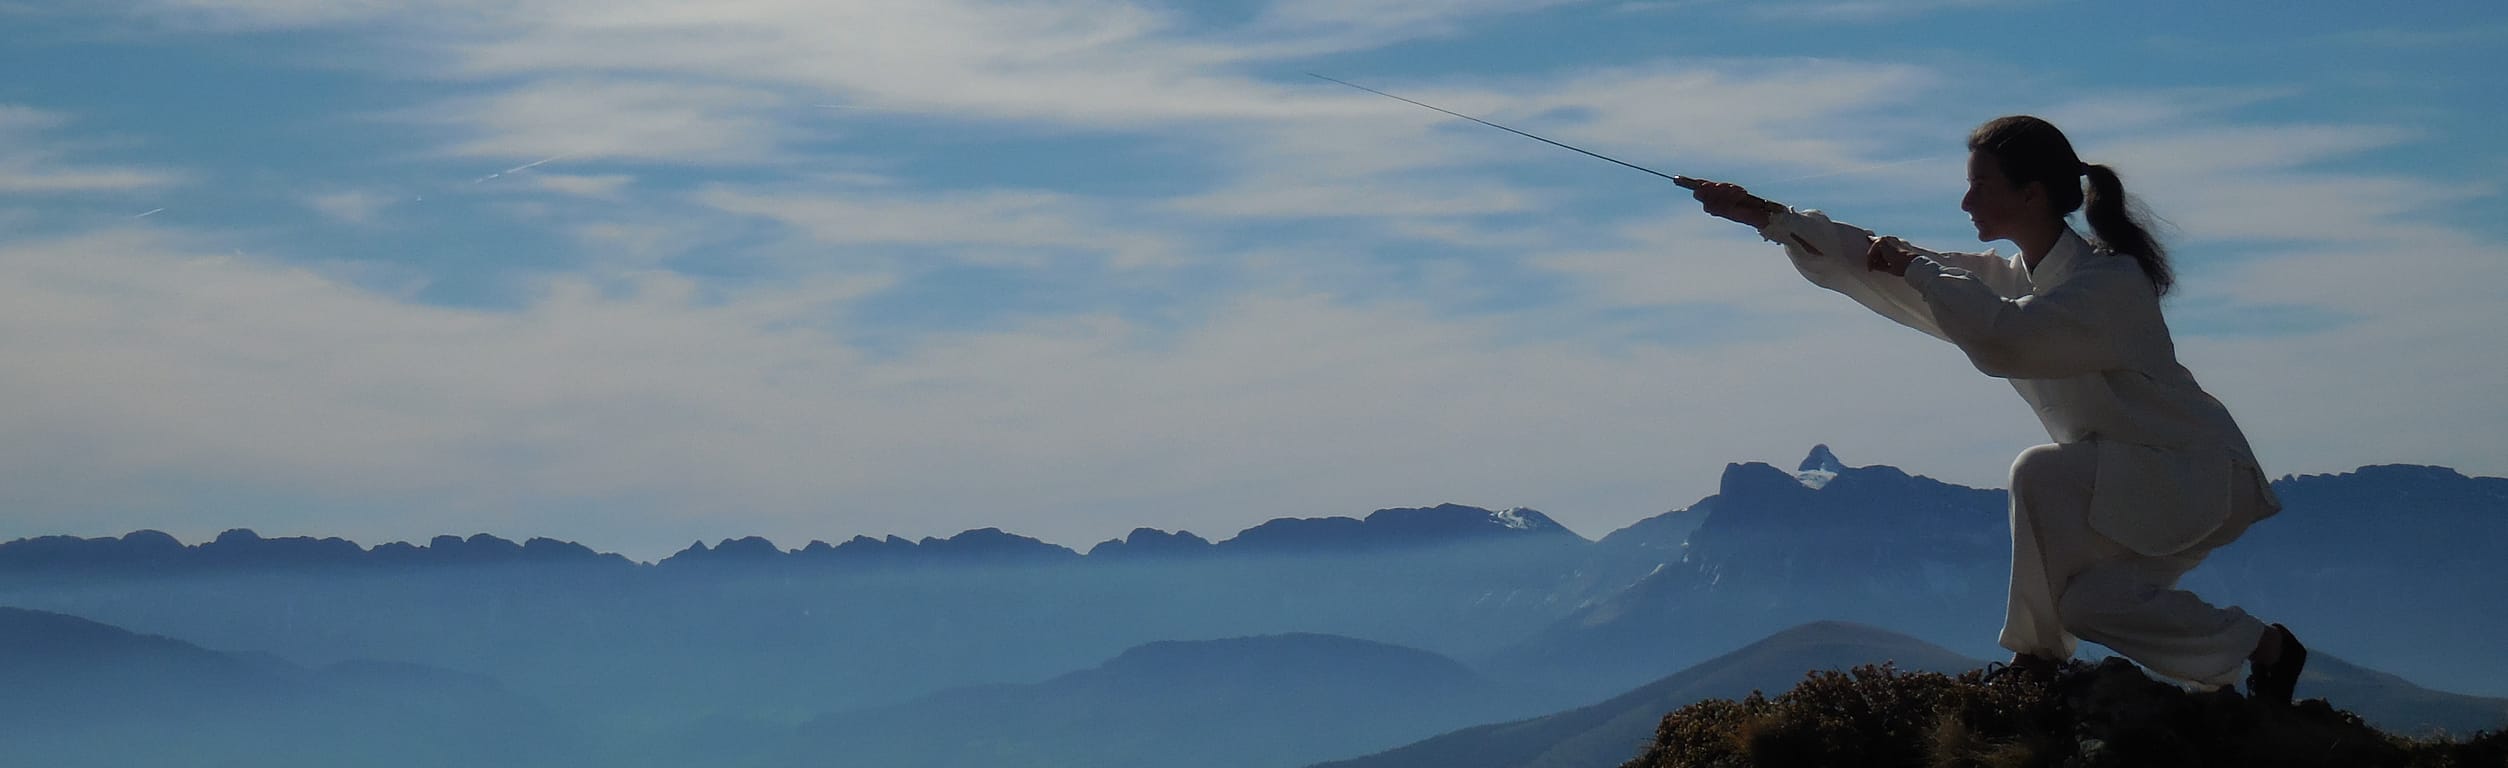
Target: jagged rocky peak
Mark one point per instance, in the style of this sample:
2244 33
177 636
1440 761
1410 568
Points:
1453 519
1757 480
1818 468
1152 543
747 547
994 544
1397 528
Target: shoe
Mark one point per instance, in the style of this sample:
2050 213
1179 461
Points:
2278 681
2023 667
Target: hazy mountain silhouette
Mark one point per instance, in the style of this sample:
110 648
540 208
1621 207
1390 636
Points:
63 668
80 692
1611 732
1398 528
1152 544
2394 704
153 553
1279 700
1868 544
2399 565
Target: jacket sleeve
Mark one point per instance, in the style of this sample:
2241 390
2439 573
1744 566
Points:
2065 331
1838 265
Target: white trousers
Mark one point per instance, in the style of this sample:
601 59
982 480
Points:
2070 583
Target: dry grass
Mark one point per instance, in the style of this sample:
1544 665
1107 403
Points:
2090 716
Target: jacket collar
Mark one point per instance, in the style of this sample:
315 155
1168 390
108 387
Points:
2069 250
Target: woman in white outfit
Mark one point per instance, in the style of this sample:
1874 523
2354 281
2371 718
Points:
2147 472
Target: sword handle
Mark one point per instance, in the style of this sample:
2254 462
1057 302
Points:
1693 183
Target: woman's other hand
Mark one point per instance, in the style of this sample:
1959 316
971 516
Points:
1889 254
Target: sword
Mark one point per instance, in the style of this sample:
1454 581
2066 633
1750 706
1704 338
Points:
1683 182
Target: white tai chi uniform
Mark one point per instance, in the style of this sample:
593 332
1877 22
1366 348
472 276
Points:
2148 472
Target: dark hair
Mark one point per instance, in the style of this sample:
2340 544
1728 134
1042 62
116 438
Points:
2030 149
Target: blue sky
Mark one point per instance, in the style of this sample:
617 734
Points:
637 273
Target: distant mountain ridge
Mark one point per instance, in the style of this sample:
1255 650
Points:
2363 499
154 552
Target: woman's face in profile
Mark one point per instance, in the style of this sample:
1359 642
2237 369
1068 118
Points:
1992 202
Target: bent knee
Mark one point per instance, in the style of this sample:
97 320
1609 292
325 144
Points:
2054 465
2095 598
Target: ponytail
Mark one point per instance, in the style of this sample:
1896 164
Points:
2030 149
2118 224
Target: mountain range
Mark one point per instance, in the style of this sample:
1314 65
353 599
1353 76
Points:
151 552
745 648
84 693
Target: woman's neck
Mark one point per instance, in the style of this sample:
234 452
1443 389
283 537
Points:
2038 241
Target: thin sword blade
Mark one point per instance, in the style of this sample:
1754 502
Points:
1685 182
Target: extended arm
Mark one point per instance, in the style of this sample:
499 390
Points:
2065 331
1831 254
1835 260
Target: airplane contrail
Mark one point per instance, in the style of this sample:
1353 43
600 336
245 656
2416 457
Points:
522 167
151 212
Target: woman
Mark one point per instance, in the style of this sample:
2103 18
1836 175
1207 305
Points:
2147 473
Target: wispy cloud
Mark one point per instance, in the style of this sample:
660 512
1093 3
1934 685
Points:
601 185
1031 222
33 162
606 118
351 206
180 369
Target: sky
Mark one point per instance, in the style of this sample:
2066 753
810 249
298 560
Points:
638 273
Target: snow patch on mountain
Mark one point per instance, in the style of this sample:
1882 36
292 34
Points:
1818 468
1513 518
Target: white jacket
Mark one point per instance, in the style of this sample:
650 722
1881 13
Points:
2081 337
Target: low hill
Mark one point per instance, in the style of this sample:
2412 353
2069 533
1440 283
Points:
1278 700
83 693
